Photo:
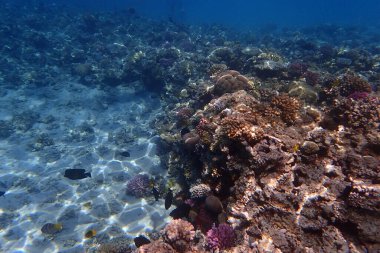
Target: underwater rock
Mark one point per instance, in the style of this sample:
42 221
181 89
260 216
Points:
213 204
309 148
303 92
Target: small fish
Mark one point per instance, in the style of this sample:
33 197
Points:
51 228
155 192
90 233
141 240
296 148
184 131
181 211
2 193
75 174
168 199
125 153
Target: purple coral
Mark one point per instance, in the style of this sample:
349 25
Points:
221 237
139 185
359 95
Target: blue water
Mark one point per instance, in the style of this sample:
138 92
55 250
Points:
245 14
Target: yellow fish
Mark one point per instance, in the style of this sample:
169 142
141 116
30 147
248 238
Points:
90 233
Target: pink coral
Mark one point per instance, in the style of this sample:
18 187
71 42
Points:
221 237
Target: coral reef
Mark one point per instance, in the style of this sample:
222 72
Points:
271 136
285 176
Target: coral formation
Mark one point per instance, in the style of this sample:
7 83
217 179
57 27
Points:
266 156
358 114
286 176
287 107
221 237
156 247
231 81
199 191
116 245
179 233
139 185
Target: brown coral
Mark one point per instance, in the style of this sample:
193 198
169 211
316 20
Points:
358 114
288 107
156 247
179 234
231 81
238 129
351 83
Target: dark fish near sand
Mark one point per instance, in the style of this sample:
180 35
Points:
181 211
168 199
125 153
90 234
51 228
141 240
2 193
156 194
75 174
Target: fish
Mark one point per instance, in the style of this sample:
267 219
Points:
51 228
125 153
184 131
90 233
141 240
168 199
2 193
75 174
156 193
181 211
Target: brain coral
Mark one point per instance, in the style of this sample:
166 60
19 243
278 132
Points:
199 191
231 81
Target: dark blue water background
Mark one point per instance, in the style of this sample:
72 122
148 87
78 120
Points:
244 13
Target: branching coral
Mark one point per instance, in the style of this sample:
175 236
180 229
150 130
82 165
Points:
288 107
351 83
363 114
139 185
236 128
221 237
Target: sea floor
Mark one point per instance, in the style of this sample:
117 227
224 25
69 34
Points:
47 130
